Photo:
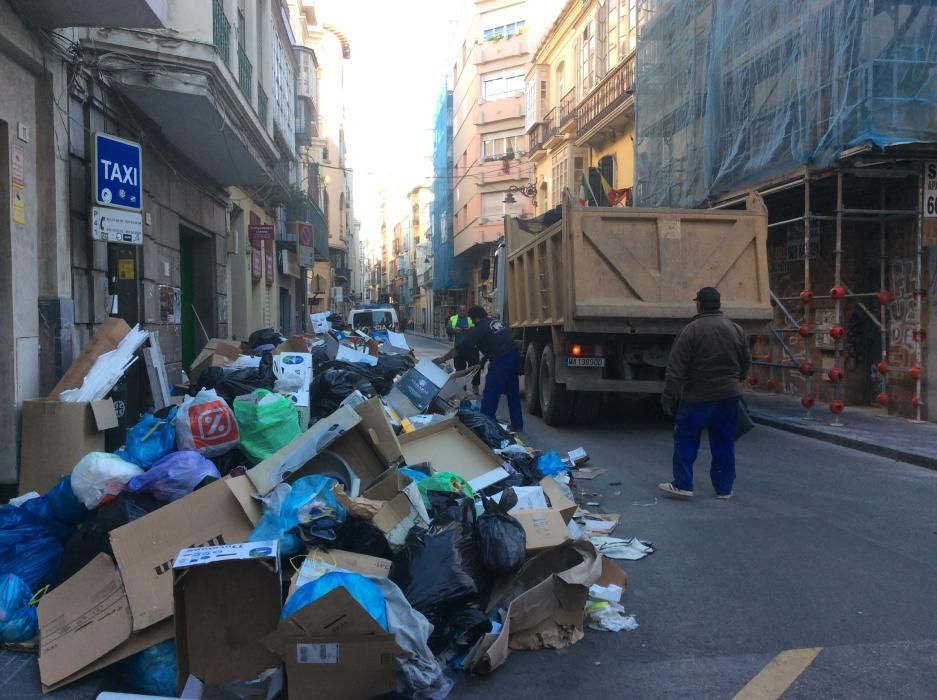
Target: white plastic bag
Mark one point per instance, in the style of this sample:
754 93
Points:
206 424
100 476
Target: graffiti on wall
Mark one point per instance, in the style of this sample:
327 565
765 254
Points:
903 312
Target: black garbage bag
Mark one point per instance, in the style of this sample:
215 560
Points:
232 459
333 385
266 336
459 626
525 465
501 538
486 428
392 366
362 537
230 385
382 384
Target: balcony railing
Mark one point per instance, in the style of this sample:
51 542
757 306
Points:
261 104
551 124
537 137
568 106
611 93
427 278
221 31
245 73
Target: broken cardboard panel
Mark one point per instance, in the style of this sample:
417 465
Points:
598 523
545 528
105 339
549 614
402 506
587 473
558 499
56 435
450 446
85 624
415 391
216 353
291 457
226 599
146 548
319 562
578 457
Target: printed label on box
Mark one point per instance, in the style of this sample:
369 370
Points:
317 653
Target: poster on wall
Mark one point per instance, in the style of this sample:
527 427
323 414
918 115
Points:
170 304
257 263
930 189
269 265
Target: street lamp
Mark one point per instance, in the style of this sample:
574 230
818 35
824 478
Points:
529 190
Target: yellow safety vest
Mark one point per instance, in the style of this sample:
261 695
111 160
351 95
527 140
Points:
454 320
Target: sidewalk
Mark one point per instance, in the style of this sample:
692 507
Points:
866 429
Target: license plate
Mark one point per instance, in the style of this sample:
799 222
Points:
585 361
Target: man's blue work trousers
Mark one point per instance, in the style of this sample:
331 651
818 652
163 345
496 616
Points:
504 378
719 418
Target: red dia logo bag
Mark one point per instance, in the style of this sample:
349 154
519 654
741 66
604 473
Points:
206 424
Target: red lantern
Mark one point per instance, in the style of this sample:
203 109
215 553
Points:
915 401
771 384
836 374
804 331
884 297
836 407
882 368
882 399
837 332
807 401
753 380
914 372
806 369
806 297
838 292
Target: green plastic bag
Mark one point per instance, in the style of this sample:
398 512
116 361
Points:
445 481
266 421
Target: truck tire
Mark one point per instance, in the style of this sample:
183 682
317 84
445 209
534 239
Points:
588 407
532 378
556 403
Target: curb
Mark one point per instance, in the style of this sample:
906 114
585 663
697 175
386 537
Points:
845 441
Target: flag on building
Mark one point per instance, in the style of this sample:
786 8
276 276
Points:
586 195
615 197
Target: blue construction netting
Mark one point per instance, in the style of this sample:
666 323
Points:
732 92
447 271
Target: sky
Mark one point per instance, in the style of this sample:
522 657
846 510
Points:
401 52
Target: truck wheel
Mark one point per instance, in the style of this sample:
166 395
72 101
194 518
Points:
555 401
588 407
532 378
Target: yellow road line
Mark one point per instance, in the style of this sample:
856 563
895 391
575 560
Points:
775 678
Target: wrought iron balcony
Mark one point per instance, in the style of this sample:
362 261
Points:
568 107
537 137
245 73
261 104
610 95
221 31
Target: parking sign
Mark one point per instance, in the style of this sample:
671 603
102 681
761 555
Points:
118 172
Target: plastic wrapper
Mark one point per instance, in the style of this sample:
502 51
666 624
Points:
501 538
152 671
100 476
266 422
18 619
358 586
150 440
307 514
445 481
206 424
174 476
487 429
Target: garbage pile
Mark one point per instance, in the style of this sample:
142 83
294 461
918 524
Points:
319 511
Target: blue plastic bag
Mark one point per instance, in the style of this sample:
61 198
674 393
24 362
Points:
64 504
417 476
150 440
30 544
152 671
174 476
308 513
18 619
551 464
361 589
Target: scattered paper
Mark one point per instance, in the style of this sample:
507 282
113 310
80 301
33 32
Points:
616 548
609 617
108 369
599 523
587 473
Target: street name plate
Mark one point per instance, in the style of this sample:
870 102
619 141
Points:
117 226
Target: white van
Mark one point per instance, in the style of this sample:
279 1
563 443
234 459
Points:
373 318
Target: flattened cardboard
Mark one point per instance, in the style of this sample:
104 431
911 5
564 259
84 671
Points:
450 446
227 599
243 490
56 435
545 528
85 624
558 499
216 353
146 548
371 447
291 457
106 338
321 561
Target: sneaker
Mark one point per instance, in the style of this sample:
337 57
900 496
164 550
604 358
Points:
674 492
724 496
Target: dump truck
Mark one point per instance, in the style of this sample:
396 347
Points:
597 298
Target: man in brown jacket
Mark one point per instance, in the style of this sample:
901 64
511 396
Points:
708 361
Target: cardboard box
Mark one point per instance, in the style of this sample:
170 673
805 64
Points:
558 499
85 624
416 390
106 338
549 613
371 447
344 353
403 506
227 599
545 528
216 353
292 457
334 646
322 561
56 435
146 548
451 447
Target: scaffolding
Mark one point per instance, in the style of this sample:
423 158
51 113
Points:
447 272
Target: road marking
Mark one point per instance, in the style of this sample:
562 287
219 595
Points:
775 678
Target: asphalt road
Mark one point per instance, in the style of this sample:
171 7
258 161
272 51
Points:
821 547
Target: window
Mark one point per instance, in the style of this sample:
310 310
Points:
560 81
496 146
621 28
560 178
242 30
588 64
502 86
502 31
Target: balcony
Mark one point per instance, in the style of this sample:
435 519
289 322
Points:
427 282
51 14
537 137
488 51
342 275
221 32
306 80
261 104
245 73
551 122
415 288
568 109
607 105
